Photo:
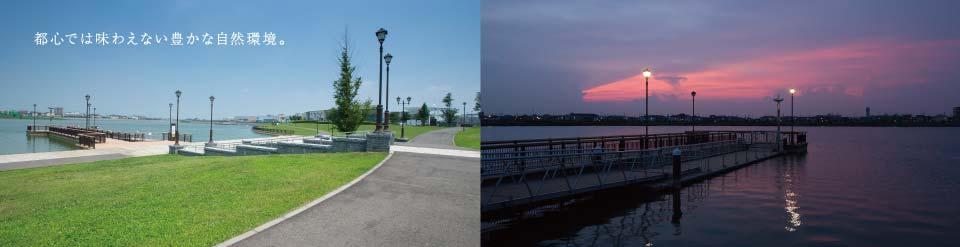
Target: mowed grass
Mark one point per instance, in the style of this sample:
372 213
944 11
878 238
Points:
164 200
310 129
468 139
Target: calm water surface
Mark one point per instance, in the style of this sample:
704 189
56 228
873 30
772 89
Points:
855 187
15 140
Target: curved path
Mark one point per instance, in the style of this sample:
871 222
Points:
415 198
442 138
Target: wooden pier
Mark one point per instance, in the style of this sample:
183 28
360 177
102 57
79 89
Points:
516 173
83 137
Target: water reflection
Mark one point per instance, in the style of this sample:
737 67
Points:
789 176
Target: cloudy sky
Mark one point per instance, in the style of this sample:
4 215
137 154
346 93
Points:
842 56
436 48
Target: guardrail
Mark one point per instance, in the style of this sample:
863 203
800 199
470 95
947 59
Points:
530 170
273 130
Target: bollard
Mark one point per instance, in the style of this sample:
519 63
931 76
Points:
676 168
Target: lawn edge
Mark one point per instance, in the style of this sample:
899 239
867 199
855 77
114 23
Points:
299 210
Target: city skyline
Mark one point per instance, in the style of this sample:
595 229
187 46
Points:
583 57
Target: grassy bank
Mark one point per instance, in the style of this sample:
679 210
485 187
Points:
310 129
164 200
468 139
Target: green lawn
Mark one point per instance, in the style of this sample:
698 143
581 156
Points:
469 138
310 129
165 200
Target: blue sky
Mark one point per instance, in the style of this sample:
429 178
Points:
436 48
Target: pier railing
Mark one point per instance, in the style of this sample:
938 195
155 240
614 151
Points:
530 170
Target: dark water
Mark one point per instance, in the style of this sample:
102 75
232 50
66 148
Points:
855 187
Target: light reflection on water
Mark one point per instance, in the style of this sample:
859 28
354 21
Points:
855 187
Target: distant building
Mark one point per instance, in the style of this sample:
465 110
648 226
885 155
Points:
956 113
56 111
248 119
868 111
319 115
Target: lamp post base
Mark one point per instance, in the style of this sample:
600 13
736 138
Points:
379 118
386 120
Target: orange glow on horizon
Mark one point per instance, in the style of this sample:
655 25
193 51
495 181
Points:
844 69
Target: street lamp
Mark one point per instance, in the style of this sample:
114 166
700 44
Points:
793 120
463 118
646 115
693 115
87 123
94 118
34 117
386 112
403 114
381 35
176 129
211 120
778 99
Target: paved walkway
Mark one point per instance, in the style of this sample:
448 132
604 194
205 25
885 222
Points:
112 149
442 138
424 195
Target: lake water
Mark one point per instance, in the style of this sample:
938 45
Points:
856 186
15 139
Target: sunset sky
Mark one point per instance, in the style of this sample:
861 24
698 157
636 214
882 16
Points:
842 56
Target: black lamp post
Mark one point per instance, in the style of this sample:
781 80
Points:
403 114
87 123
34 117
646 88
381 35
793 120
778 99
211 120
386 112
176 134
463 118
693 115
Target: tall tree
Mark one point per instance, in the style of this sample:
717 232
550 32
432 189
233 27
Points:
476 106
349 112
450 113
423 114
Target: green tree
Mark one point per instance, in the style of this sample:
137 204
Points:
349 112
450 113
476 106
423 114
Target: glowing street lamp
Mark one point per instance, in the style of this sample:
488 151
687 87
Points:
646 115
386 112
793 120
381 36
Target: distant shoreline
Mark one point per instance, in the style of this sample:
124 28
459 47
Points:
785 124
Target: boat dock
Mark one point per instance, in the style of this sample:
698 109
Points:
84 137
522 172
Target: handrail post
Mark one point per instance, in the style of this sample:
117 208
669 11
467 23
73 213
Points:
676 168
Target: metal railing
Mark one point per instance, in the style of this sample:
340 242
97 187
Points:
531 170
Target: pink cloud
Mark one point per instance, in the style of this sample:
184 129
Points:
846 69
